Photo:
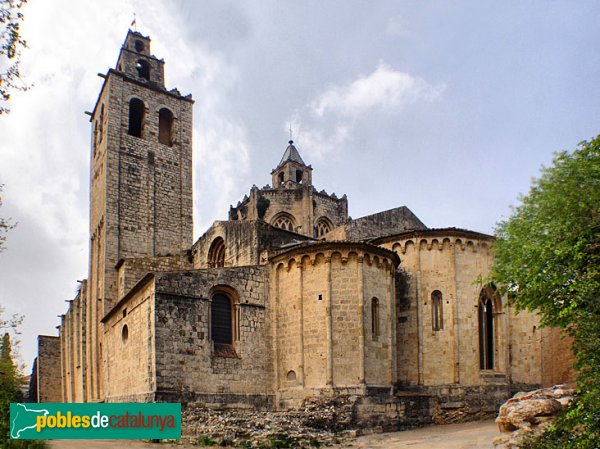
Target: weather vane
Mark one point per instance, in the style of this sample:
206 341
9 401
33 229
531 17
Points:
134 23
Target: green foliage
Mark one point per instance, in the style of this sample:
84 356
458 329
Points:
206 441
262 204
280 441
11 383
548 260
5 224
11 42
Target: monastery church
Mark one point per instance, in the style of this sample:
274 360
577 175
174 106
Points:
286 301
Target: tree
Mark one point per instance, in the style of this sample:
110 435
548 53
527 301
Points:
547 258
11 42
5 224
11 382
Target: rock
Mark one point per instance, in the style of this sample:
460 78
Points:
528 413
516 413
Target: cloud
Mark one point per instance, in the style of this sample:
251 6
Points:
328 121
385 88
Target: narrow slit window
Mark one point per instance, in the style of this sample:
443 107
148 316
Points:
375 329
437 311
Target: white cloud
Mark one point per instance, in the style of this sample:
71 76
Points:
385 88
328 122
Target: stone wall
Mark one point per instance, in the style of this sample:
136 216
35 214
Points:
449 262
130 271
49 379
248 242
557 357
188 366
389 222
323 339
129 333
73 338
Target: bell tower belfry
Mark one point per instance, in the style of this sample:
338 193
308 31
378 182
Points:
140 181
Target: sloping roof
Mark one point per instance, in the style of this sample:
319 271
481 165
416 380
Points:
291 154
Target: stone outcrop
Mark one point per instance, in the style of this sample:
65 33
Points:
529 414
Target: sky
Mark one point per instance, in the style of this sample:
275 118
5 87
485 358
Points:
448 108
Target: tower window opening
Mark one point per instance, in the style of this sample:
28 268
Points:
437 311
137 110
281 178
139 46
375 329
299 176
143 69
165 127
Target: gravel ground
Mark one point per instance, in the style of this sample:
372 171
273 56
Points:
475 435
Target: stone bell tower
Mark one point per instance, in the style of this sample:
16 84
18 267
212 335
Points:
140 181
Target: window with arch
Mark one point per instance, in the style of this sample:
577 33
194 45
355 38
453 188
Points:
165 127
437 310
137 111
375 328
139 46
221 318
216 253
281 179
322 227
143 69
486 327
283 221
223 322
299 174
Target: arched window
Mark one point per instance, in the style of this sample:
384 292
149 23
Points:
486 327
283 221
165 127
139 46
437 311
143 69
221 320
137 111
375 329
216 253
299 176
323 227
281 178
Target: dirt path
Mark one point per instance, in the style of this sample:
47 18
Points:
475 435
